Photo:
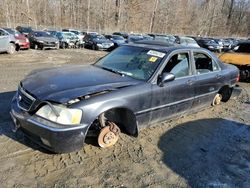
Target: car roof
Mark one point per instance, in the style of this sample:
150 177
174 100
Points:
161 46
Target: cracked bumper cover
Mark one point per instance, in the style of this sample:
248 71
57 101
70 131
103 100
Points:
51 136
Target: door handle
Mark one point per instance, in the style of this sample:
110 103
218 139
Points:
189 82
218 76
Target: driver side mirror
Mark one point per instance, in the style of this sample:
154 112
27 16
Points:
164 78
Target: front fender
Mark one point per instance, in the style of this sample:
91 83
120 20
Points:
91 111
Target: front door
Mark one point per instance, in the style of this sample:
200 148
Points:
174 97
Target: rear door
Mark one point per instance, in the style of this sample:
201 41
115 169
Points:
208 78
4 40
175 97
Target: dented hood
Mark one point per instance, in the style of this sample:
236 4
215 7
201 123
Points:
69 82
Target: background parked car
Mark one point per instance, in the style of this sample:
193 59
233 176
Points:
134 38
73 40
24 30
239 58
78 33
43 40
123 34
116 39
96 42
209 44
8 42
22 41
187 41
64 40
164 38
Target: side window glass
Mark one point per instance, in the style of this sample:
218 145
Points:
204 64
178 65
2 33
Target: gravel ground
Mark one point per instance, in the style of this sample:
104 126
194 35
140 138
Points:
210 148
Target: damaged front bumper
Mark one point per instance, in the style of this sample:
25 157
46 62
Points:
51 136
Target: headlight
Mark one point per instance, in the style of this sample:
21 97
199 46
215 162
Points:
67 116
40 41
99 45
27 40
210 47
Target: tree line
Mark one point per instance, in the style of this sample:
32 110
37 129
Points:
180 17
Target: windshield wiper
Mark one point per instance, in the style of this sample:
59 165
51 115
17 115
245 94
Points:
112 70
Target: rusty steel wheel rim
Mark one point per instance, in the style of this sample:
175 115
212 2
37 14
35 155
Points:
109 135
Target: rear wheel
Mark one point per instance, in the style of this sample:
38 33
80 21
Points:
63 45
11 48
57 46
217 99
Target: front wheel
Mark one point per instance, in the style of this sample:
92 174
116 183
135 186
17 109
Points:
108 135
64 46
11 48
58 46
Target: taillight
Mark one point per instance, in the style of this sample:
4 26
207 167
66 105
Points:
238 78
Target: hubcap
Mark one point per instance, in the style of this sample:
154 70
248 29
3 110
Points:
12 49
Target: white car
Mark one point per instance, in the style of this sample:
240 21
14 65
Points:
8 43
79 34
188 41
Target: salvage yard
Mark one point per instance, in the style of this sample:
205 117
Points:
208 149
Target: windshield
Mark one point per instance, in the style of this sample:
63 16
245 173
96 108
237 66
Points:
191 41
68 34
26 29
116 37
98 37
162 38
136 62
243 48
42 34
76 32
12 31
212 42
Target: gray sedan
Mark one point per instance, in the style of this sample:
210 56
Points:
131 88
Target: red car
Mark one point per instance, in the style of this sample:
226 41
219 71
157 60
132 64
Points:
23 41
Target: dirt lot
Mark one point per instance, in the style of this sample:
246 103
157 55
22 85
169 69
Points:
207 149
